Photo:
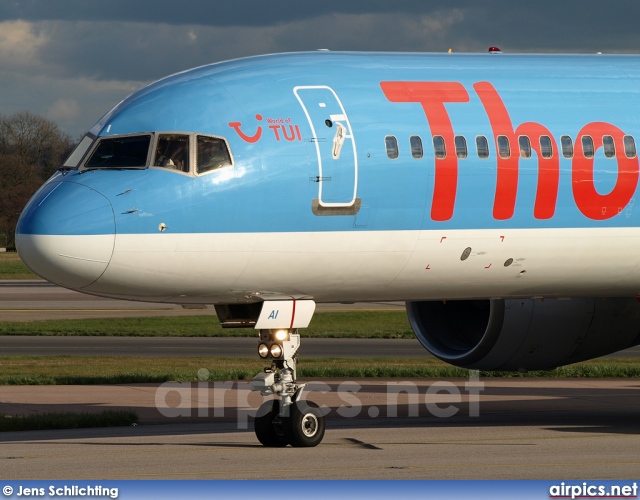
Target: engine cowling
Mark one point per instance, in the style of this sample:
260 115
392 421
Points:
524 334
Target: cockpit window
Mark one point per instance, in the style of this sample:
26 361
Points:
172 151
181 152
79 152
120 152
212 154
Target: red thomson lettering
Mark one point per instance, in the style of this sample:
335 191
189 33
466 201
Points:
591 203
432 96
507 168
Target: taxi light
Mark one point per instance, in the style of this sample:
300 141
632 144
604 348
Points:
275 350
281 335
263 350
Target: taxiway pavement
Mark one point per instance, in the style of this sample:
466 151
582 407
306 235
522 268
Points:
376 428
525 429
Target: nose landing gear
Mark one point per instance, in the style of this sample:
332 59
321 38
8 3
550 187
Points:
288 420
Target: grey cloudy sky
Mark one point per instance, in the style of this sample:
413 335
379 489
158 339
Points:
72 60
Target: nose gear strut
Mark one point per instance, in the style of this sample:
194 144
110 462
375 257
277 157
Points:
288 419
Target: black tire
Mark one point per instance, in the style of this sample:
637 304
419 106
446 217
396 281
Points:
270 430
306 425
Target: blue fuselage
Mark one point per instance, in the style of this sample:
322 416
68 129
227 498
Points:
349 143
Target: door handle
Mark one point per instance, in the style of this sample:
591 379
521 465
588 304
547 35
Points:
338 140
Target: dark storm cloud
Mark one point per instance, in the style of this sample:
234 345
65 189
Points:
570 25
73 57
574 26
245 13
143 40
544 22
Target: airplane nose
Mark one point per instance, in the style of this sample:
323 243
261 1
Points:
66 234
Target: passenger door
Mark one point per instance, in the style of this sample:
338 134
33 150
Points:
331 138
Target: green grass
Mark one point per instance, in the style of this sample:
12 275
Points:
23 370
353 324
85 370
45 421
12 268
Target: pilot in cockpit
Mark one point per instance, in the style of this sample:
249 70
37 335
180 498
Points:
172 152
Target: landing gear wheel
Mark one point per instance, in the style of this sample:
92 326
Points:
305 425
270 429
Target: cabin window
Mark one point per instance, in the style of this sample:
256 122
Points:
504 150
172 151
461 146
546 148
439 146
587 146
120 152
525 146
392 147
567 146
212 154
482 146
416 147
609 146
629 146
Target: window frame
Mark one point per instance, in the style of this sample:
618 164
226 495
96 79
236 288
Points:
527 153
507 155
484 139
567 151
190 136
388 149
78 155
439 153
195 155
626 148
98 141
414 153
153 146
462 150
550 153
592 146
609 148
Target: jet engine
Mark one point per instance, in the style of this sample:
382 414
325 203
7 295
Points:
524 334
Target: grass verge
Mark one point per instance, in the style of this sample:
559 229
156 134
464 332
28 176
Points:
52 420
353 324
12 268
84 370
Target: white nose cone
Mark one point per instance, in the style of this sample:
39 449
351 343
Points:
70 261
66 234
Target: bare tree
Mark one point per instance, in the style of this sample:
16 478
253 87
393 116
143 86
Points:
36 140
31 149
18 182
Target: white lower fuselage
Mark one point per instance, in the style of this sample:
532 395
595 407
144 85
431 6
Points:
345 267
